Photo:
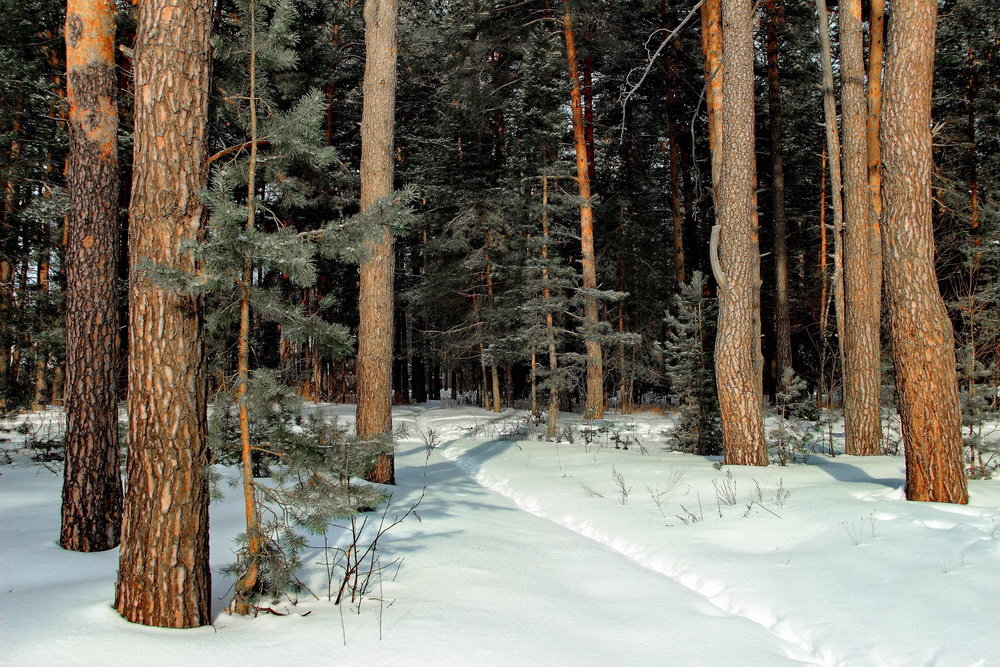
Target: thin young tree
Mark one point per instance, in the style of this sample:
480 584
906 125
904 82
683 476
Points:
163 576
738 358
876 34
922 336
862 265
92 489
375 300
674 112
594 406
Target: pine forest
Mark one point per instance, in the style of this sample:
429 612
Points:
493 330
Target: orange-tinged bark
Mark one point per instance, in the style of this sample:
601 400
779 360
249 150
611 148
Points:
163 575
738 360
247 582
862 266
874 118
711 44
92 490
594 407
375 328
922 336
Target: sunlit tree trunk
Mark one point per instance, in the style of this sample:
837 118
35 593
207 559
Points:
92 489
922 336
588 118
594 407
862 266
874 118
163 576
738 359
375 300
711 44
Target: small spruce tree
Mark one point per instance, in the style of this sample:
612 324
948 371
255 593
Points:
690 336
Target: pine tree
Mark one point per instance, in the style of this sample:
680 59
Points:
246 242
738 358
595 403
862 265
92 492
163 576
922 336
375 301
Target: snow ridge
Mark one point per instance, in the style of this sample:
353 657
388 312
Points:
796 645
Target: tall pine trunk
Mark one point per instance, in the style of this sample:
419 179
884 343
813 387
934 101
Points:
874 119
92 488
782 320
375 300
594 406
738 359
711 45
836 173
922 336
862 266
674 111
164 577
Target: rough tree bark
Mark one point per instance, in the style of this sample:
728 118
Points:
874 119
711 45
92 488
738 358
375 300
862 265
594 406
922 336
164 577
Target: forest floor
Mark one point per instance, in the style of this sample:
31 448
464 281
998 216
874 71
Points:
523 552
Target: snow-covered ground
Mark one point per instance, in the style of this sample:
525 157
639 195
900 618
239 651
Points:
534 553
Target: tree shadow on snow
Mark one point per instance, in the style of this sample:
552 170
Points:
845 472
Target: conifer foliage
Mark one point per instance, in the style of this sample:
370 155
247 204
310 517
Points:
248 247
690 325
563 176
